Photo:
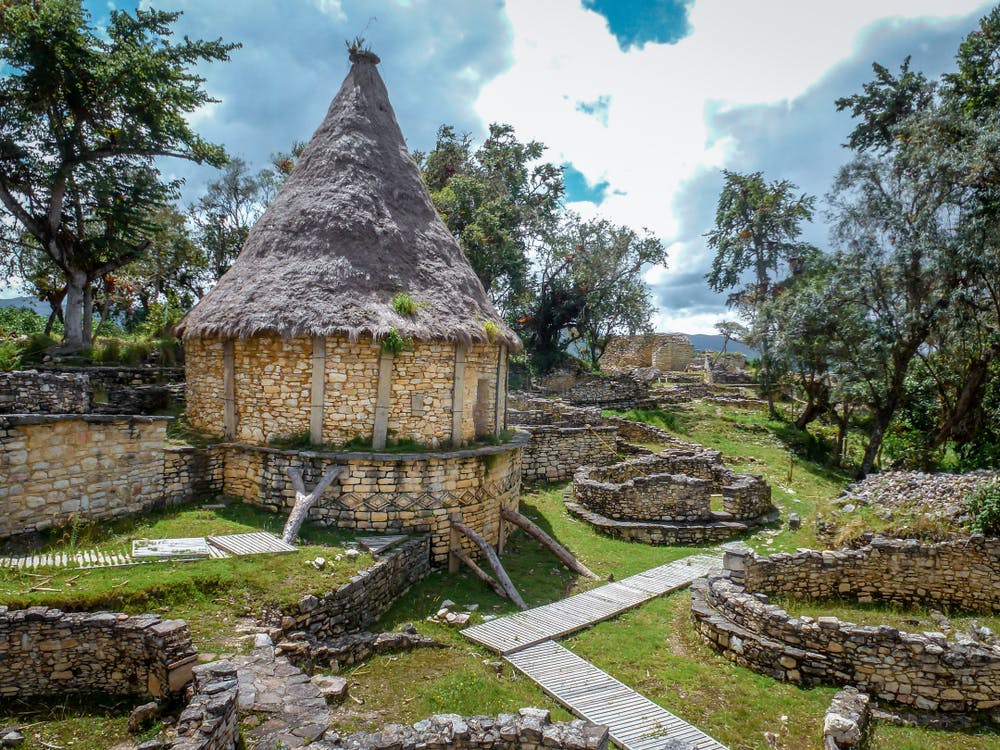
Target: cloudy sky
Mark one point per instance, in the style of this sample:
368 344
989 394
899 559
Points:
643 101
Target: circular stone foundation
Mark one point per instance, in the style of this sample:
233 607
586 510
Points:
668 497
924 671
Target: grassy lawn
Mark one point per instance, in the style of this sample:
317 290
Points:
653 648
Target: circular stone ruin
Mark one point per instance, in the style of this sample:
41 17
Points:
922 671
667 497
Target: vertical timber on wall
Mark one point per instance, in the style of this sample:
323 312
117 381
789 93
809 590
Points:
317 395
229 388
382 401
500 401
458 396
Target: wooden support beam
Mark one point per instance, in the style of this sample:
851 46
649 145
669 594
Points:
533 530
229 389
458 396
318 390
382 400
491 556
500 397
481 574
303 500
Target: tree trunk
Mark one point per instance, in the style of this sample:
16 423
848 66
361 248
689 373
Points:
817 403
88 315
76 283
882 419
970 398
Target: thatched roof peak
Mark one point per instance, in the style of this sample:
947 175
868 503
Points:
352 227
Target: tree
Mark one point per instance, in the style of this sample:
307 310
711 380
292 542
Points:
586 287
757 226
84 114
498 200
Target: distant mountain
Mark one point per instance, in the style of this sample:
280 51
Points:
713 343
42 308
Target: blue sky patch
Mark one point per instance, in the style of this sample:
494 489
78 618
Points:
597 109
635 22
577 188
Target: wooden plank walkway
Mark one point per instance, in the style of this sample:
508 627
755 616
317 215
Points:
256 543
634 722
518 631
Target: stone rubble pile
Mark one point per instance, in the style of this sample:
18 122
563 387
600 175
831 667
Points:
308 652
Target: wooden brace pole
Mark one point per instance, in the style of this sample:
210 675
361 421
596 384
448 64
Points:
303 500
481 574
491 556
533 530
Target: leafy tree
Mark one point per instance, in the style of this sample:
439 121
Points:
84 113
757 228
587 286
499 200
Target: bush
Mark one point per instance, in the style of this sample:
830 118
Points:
34 349
394 343
404 304
984 505
20 321
10 357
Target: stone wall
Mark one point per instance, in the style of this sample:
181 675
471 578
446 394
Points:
46 652
847 722
963 574
112 377
529 729
362 600
387 492
34 392
629 352
273 382
923 671
191 472
615 391
56 468
555 452
671 486
210 721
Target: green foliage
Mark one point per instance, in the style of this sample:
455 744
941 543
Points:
393 342
10 356
20 321
33 350
405 305
492 331
984 506
84 114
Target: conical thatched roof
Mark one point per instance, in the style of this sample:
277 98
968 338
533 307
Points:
351 227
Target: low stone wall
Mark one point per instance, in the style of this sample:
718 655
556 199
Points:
359 602
847 723
57 468
110 378
555 452
387 492
619 391
962 574
190 472
46 652
210 721
924 671
529 729
34 392
671 486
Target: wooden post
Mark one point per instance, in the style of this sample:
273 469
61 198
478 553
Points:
500 416
229 389
491 556
304 501
458 396
382 401
318 394
481 574
532 529
454 542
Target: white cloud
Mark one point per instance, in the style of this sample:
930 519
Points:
332 8
654 135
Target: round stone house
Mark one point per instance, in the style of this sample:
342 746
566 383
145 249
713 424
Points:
351 318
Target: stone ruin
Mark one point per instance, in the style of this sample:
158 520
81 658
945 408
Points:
667 352
667 498
921 672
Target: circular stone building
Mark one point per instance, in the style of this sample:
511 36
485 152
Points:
352 316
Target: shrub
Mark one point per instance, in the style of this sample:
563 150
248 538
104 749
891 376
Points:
405 305
394 343
984 506
492 330
10 357
20 321
34 349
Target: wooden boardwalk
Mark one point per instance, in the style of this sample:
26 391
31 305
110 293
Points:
255 543
634 722
507 635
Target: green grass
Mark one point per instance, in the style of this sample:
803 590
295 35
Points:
98 722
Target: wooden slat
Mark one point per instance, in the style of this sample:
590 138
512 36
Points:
508 634
255 543
634 722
